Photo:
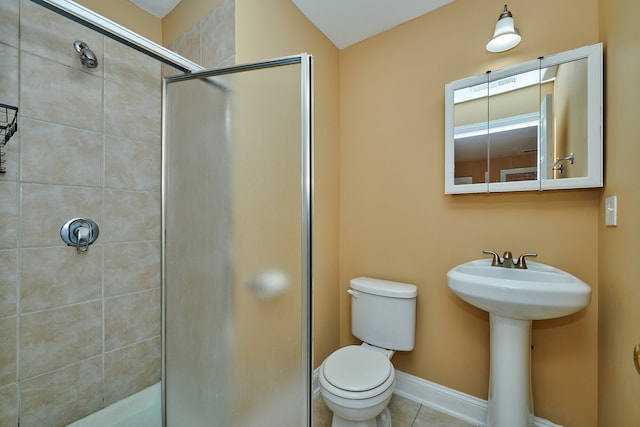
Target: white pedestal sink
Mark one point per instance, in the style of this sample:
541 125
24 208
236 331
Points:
514 298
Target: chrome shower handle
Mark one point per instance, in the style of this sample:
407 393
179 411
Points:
80 232
82 235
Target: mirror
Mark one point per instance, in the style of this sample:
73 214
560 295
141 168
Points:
532 126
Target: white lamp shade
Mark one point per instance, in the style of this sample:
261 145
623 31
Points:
505 36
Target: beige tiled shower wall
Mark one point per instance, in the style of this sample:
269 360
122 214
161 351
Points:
77 331
210 42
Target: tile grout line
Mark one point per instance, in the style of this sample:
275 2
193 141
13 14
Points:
415 417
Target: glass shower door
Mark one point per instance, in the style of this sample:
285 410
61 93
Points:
237 246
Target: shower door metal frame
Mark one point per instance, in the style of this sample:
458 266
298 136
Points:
306 187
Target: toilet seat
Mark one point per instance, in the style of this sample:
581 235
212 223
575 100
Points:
355 372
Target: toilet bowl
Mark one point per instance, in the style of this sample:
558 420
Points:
357 383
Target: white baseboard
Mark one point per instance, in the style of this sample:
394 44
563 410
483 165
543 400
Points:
455 403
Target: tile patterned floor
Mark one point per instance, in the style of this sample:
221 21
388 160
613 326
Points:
404 413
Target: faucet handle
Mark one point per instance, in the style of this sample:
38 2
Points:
496 257
521 262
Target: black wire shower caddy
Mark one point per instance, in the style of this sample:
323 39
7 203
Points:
8 127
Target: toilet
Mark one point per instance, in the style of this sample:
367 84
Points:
357 381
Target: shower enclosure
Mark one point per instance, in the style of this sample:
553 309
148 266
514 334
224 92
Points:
200 277
237 245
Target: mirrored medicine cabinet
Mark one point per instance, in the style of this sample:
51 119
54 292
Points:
532 126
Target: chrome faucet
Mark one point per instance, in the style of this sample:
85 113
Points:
507 260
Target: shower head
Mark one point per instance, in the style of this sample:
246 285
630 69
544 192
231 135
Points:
87 57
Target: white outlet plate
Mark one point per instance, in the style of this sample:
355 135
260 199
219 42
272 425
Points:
611 211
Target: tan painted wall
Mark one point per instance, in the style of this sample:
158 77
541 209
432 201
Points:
619 319
397 224
128 15
274 29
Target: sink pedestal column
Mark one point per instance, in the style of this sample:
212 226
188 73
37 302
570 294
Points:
510 400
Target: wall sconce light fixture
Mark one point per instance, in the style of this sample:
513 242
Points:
506 35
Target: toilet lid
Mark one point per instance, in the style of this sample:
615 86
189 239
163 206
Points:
354 368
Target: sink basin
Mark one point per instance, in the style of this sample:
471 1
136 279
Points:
539 292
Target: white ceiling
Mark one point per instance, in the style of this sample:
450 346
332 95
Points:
158 8
346 22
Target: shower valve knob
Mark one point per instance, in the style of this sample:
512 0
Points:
80 232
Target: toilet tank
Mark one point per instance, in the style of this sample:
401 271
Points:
383 313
